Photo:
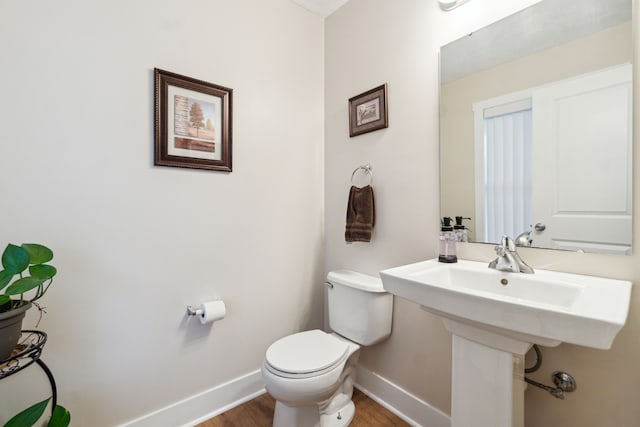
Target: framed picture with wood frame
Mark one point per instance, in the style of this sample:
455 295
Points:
368 111
192 123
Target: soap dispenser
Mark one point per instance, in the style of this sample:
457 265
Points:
461 232
447 242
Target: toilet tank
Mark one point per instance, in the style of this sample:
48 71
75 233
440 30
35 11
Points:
359 307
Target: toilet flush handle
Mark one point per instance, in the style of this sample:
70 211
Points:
330 285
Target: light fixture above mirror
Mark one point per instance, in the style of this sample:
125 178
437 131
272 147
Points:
447 5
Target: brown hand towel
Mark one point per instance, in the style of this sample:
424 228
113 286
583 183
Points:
361 214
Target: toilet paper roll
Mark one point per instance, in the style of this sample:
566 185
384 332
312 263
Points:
211 311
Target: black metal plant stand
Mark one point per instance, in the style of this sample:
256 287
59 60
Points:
26 352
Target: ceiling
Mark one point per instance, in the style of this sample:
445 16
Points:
323 8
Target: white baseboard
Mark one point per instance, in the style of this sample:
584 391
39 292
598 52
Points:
204 405
408 407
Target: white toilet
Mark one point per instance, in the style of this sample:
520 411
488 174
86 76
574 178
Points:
311 373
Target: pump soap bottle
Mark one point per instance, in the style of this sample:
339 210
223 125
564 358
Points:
447 242
461 232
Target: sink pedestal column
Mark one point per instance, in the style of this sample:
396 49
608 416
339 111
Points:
487 379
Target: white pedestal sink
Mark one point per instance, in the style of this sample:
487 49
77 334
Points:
495 317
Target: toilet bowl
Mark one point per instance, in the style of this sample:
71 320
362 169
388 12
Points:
310 369
311 374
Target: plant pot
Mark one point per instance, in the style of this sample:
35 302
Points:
11 329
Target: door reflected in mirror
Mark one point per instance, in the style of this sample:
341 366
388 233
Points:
535 127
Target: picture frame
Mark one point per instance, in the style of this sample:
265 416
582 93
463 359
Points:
368 111
193 121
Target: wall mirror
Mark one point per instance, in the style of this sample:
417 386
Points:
536 127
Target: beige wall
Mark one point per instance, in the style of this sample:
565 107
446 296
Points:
369 42
135 244
603 49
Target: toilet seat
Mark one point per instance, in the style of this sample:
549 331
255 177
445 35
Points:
305 354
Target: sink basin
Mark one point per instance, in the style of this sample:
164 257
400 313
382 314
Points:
496 316
545 308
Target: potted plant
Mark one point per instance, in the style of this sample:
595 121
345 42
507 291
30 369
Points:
25 278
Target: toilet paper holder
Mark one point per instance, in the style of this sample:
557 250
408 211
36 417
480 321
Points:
208 312
193 312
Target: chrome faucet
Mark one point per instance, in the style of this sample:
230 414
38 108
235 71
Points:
508 258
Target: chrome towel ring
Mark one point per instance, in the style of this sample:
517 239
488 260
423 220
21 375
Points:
366 168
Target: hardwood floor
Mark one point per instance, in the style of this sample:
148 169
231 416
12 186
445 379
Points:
259 413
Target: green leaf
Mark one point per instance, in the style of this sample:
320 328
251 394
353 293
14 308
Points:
5 303
23 285
29 416
38 254
60 418
42 271
15 259
5 278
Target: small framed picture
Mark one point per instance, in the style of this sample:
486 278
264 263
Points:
192 123
368 111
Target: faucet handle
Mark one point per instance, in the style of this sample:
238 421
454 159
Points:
508 243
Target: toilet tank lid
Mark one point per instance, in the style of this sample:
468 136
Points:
356 280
